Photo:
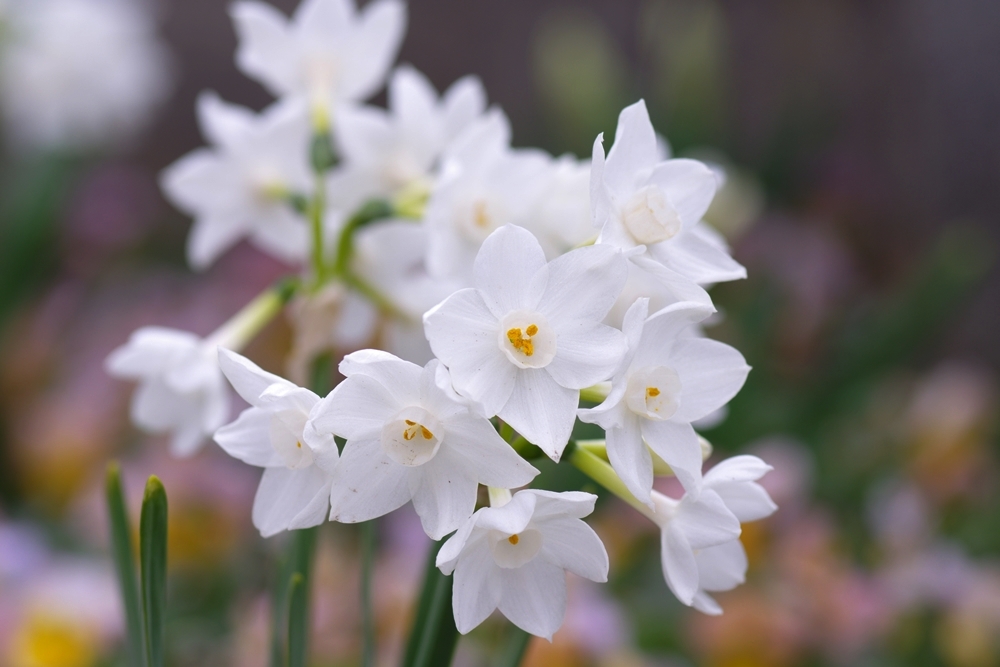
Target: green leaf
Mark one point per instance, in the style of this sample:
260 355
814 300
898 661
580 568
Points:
433 636
153 558
516 649
297 561
367 610
298 620
124 559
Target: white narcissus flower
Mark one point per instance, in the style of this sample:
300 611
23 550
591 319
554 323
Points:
639 199
294 491
696 522
562 219
79 74
723 567
514 558
409 437
484 185
326 54
181 389
528 336
384 152
240 187
668 379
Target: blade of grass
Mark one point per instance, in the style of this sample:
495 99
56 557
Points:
298 620
153 558
517 648
124 559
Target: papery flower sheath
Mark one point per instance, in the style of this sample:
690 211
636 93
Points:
514 558
410 437
294 491
528 336
669 379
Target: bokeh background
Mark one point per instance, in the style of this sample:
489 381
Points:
862 141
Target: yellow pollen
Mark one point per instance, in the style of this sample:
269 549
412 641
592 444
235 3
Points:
412 428
298 444
513 539
521 342
480 216
652 392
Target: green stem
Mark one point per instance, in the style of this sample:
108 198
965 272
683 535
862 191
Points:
316 210
124 559
601 472
298 620
517 648
297 562
367 608
433 636
242 327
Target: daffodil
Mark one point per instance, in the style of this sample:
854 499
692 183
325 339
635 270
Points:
409 437
515 557
528 336
668 379
294 491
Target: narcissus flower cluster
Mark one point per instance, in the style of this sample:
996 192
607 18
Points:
505 296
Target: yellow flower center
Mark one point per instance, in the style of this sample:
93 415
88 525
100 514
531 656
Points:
481 215
652 392
413 428
522 341
513 539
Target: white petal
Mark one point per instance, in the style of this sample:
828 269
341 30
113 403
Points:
711 373
586 353
363 133
679 567
541 410
677 444
462 333
634 150
282 234
600 202
222 124
264 45
377 42
457 544
749 501
492 460
186 440
583 284
323 18
463 102
157 408
444 494
477 588
706 604
534 597
511 518
695 255
288 499
247 378
573 545
149 351
657 345
367 484
210 237
505 270
722 567
743 468
280 397
400 378
630 458
577 504
705 520
690 186
248 439
358 407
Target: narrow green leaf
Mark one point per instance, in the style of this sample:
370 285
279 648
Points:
124 559
298 620
153 558
367 609
516 649
423 605
297 560
433 636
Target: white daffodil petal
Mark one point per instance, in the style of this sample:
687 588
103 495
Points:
692 254
288 499
634 151
264 49
494 462
477 588
583 284
679 567
367 483
577 504
747 500
705 521
711 373
704 603
541 410
379 36
722 567
689 185
444 495
630 458
149 351
534 597
247 378
248 439
587 353
400 378
677 444
505 269
743 468
358 407
574 546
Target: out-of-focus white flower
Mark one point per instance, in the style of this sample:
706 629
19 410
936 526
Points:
562 219
240 187
528 336
327 53
409 437
668 379
484 185
79 73
294 491
384 152
181 388
639 199
514 558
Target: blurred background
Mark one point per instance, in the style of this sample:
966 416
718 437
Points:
862 144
